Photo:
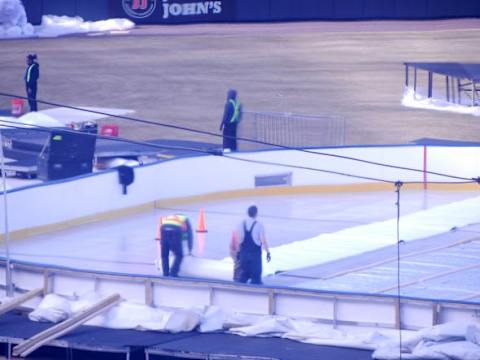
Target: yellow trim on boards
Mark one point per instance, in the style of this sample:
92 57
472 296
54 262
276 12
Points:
233 194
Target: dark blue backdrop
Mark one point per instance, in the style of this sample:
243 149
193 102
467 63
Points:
184 11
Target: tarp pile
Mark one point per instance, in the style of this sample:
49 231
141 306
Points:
14 23
414 100
442 342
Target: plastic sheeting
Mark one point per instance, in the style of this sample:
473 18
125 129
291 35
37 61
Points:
53 26
414 100
13 23
447 341
364 238
12 13
453 340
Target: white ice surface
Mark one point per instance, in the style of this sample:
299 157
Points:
13 24
348 242
414 100
447 341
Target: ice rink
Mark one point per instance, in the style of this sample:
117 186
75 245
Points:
127 245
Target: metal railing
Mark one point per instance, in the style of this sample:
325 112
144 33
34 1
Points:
288 129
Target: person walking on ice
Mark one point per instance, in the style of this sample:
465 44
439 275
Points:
251 234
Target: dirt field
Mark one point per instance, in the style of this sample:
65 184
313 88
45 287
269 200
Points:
180 74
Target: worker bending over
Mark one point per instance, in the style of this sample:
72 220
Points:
172 231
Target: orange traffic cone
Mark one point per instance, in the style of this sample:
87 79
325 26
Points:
202 228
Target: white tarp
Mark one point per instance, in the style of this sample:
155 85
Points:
447 341
13 20
454 340
414 100
53 26
359 239
14 24
67 116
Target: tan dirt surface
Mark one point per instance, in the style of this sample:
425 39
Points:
180 74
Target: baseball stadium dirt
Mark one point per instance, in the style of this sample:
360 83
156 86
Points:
180 74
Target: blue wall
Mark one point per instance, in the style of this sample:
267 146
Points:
87 9
260 10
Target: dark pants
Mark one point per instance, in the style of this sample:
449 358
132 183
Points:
251 267
171 241
32 97
237 269
230 136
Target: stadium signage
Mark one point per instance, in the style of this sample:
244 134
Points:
172 11
191 8
139 9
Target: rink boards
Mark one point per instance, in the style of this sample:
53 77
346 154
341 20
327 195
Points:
99 196
337 308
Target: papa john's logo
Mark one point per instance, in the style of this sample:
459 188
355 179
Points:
139 9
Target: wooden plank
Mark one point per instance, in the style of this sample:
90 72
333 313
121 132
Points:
12 304
272 303
473 93
430 84
28 346
406 75
415 80
447 88
459 91
452 85
148 292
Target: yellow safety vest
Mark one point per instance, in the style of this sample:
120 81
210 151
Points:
174 220
236 110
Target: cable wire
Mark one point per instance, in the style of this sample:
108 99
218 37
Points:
41 128
203 132
209 152
398 186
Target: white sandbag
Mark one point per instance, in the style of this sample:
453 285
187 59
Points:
473 334
133 316
53 26
440 342
53 308
212 320
182 320
28 30
324 334
111 25
12 13
449 331
452 350
13 31
84 301
270 326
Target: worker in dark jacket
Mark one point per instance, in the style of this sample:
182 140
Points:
172 231
230 120
252 241
32 73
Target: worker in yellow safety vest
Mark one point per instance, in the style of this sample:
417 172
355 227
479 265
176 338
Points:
171 232
231 117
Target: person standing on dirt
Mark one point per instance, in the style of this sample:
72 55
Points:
231 118
252 240
32 74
